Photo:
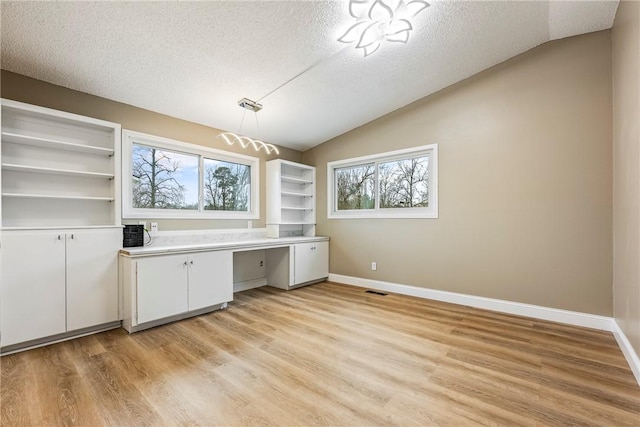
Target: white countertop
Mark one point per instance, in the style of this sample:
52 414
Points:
219 245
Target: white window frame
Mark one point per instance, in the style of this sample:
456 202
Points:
431 211
128 211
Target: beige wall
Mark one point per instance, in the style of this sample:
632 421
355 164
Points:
626 177
24 89
525 160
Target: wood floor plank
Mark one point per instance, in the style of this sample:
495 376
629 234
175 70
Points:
327 354
59 388
290 382
149 378
117 400
14 386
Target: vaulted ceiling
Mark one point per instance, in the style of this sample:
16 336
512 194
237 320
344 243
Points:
195 60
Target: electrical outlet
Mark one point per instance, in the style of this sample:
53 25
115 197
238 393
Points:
154 228
374 266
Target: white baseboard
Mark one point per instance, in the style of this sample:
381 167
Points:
528 310
629 353
249 284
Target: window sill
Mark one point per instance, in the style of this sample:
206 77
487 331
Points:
386 215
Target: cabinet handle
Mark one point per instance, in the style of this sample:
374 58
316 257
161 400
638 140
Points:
59 237
72 237
191 263
185 263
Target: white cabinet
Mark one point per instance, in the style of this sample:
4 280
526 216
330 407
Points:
311 262
33 286
92 277
162 287
159 287
291 199
57 281
210 279
58 169
298 264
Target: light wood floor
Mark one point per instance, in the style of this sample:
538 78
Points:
327 354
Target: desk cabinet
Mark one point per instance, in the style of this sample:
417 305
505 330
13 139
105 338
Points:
311 262
161 287
298 264
210 278
165 286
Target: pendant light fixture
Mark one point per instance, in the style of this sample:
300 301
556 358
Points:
378 21
245 141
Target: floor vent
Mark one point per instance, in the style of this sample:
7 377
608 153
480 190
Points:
375 292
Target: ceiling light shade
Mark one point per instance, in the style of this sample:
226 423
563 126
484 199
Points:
378 21
244 141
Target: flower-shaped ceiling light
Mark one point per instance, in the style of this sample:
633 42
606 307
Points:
380 20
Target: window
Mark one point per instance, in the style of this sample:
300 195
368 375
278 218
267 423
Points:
172 179
227 186
355 187
164 179
397 184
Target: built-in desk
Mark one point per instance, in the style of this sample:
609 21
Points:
167 282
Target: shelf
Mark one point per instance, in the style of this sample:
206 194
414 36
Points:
291 193
53 171
296 208
59 170
297 223
295 180
61 227
54 144
48 196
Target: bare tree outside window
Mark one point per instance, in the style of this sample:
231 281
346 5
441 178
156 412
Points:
396 184
227 186
404 183
160 179
174 179
356 187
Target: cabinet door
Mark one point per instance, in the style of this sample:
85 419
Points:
210 278
92 277
161 287
32 302
311 261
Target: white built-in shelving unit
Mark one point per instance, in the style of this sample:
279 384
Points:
58 169
61 229
291 199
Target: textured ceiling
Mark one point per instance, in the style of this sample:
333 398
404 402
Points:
195 60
